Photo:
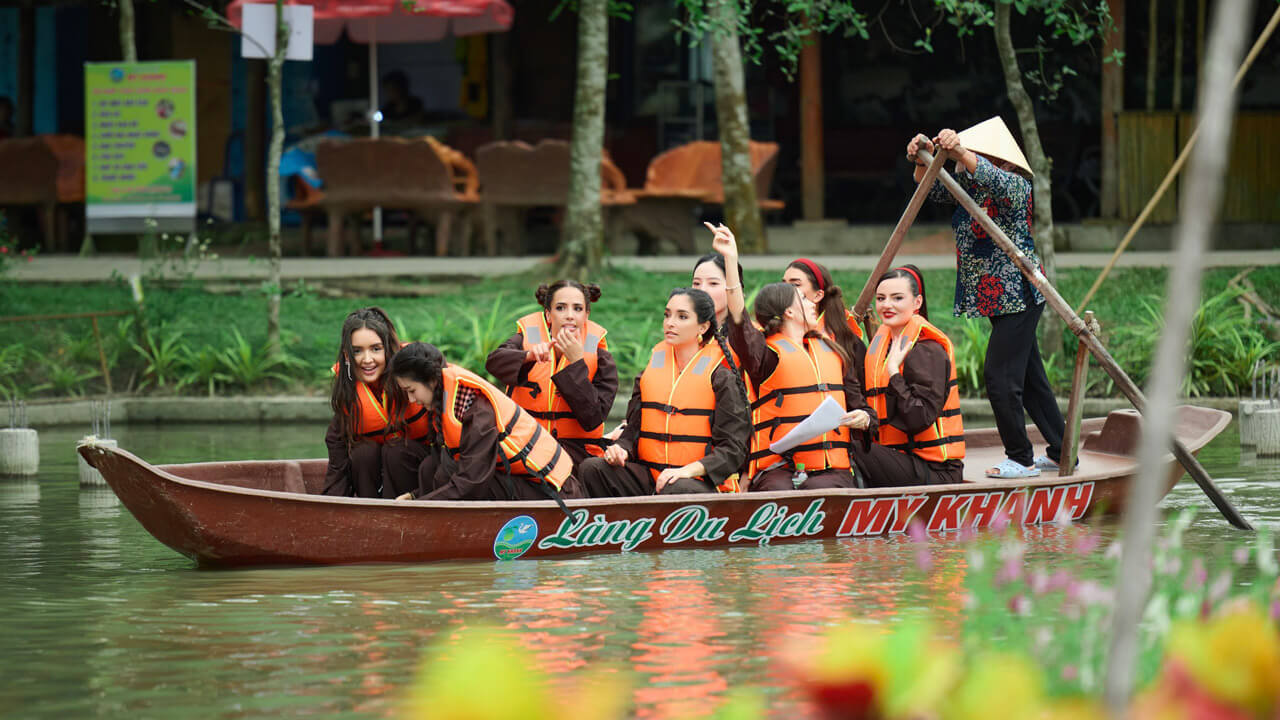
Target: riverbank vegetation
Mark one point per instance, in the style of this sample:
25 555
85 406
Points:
189 338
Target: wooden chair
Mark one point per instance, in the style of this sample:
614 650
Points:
516 176
69 152
30 177
681 179
390 173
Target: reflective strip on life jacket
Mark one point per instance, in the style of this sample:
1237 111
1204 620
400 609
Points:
538 395
524 448
944 439
805 376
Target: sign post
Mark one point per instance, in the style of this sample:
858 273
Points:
140 149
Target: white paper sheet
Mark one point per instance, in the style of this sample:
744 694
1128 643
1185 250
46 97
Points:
824 419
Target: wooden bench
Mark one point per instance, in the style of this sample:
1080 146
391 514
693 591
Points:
391 173
30 177
683 178
516 176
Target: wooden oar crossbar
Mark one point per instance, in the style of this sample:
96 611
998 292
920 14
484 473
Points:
1087 338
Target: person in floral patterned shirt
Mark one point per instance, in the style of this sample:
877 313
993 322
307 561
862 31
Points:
993 170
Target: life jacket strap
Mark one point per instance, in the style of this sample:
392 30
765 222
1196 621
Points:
779 393
673 410
671 437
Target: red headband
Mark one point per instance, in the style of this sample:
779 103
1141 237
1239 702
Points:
813 268
914 274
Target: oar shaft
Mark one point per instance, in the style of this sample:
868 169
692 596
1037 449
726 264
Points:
899 234
1077 326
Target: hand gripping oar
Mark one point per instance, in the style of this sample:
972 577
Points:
1081 330
895 240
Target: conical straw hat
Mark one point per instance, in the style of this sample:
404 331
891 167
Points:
992 138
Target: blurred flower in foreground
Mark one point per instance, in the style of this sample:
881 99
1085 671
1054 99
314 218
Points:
1224 668
860 671
997 686
483 674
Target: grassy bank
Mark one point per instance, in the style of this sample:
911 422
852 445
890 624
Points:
197 341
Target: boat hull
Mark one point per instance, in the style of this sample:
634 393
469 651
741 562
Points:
240 514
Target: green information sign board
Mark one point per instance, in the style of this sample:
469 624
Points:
140 149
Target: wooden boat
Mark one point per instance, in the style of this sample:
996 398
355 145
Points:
263 512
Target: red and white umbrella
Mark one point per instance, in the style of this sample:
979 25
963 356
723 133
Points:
394 21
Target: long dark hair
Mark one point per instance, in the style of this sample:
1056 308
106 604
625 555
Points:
545 294
342 398
773 300
718 260
704 309
915 279
421 362
832 308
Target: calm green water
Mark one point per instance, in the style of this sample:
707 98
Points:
103 621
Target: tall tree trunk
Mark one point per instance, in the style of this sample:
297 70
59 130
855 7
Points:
500 90
741 210
1153 30
812 173
582 241
1041 184
274 73
128 47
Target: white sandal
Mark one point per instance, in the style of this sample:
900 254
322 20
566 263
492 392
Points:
1010 469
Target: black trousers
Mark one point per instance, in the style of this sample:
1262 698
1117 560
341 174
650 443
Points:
780 479
885 467
1016 381
602 480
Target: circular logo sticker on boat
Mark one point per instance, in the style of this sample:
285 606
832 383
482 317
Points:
515 538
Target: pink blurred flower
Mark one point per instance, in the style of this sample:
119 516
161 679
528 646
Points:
1059 580
1070 672
1000 522
924 560
1198 575
1038 579
1019 605
1085 543
1241 555
916 531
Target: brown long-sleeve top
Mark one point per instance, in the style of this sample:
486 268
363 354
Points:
589 398
730 427
477 457
759 362
916 395
337 477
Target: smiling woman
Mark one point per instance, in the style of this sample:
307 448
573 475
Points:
375 440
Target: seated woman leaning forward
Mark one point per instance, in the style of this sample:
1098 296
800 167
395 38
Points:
558 368
910 380
795 367
687 427
496 451
375 440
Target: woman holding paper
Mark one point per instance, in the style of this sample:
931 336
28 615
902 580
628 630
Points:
794 368
687 427
910 380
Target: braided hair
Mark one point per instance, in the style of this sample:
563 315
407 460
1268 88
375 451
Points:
704 309
342 397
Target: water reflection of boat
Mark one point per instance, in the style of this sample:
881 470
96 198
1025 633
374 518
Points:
260 512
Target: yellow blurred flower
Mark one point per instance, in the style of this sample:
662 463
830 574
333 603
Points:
997 685
1234 656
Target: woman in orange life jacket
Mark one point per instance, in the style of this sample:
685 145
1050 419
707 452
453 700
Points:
815 283
496 450
795 367
376 438
687 428
709 277
557 367
909 378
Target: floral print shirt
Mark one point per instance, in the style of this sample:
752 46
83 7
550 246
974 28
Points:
988 282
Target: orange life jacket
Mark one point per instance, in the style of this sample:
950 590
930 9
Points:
524 448
944 439
676 409
538 394
806 375
375 417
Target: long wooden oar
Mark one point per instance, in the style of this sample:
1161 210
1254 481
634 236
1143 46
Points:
895 240
1078 326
